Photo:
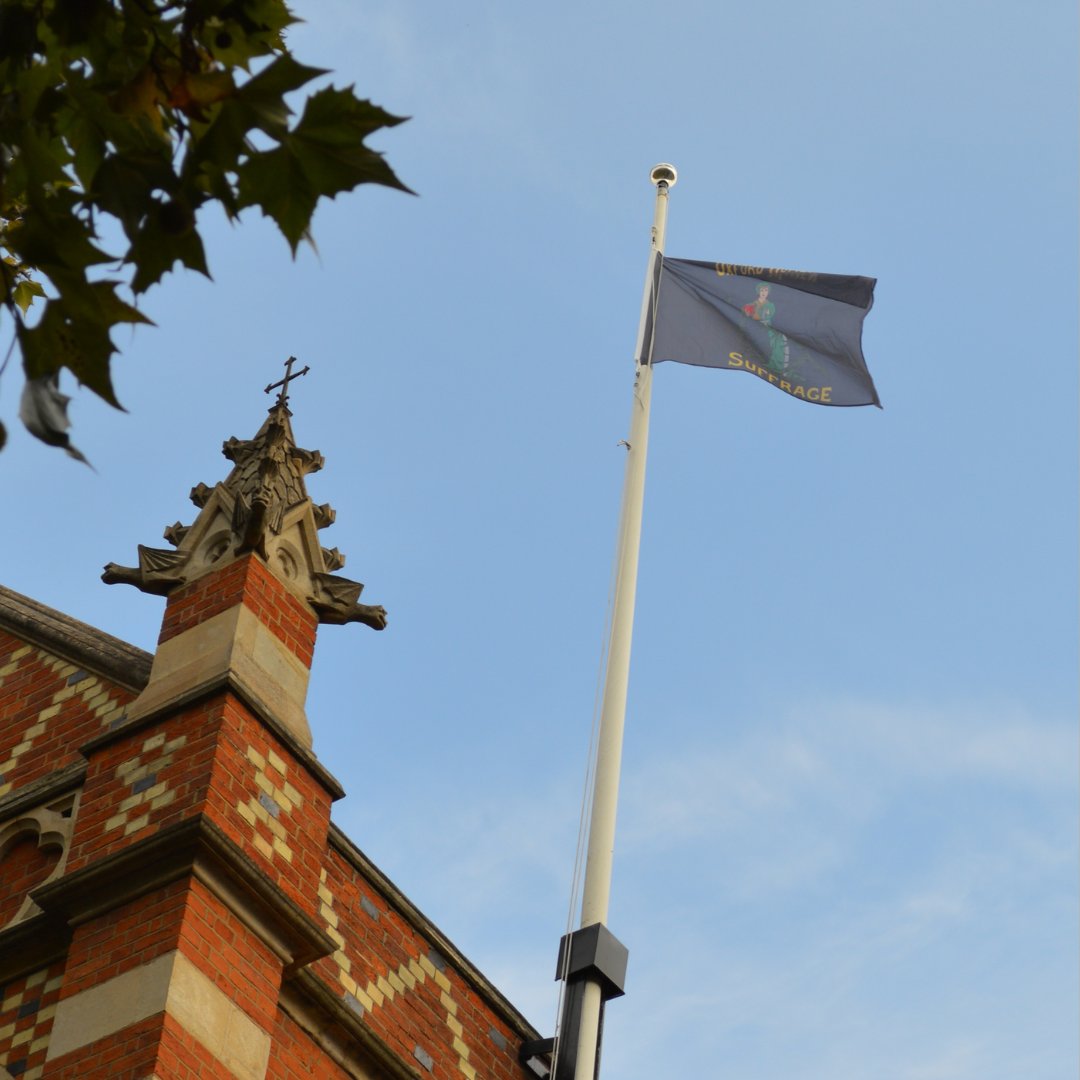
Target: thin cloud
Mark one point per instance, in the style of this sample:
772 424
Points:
846 757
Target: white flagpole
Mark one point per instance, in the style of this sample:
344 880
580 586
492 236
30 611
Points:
597 888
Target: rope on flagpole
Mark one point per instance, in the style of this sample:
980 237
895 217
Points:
587 787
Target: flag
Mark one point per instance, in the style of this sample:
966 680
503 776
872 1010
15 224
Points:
798 331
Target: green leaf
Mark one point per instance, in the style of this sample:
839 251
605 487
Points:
130 112
32 84
115 309
328 142
51 236
339 116
24 292
158 247
275 181
94 301
120 114
214 182
86 140
74 21
264 94
280 77
261 16
323 155
43 158
251 28
124 187
81 345
218 148
18 33
75 332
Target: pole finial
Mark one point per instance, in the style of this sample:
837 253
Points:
664 174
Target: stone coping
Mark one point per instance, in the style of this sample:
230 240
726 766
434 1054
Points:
76 641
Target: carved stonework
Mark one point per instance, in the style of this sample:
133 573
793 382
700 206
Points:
262 507
48 828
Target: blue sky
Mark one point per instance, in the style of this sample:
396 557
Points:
847 839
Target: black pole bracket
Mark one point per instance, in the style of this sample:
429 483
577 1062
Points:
596 954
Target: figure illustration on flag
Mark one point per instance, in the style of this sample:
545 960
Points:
798 331
763 310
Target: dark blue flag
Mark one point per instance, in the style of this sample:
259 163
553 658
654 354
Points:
799 331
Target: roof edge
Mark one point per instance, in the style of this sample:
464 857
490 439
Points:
464 965
125 664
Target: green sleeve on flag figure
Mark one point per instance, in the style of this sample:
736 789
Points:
800 332
762 310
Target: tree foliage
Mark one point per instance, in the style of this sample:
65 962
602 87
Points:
143 112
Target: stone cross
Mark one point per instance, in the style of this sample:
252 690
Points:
283 396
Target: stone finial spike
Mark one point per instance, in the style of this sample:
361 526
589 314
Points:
175 533
233 446
332 558
307 461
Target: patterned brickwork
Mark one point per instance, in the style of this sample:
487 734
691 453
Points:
27 1007
269 804
246 581
404 989
146 775
215 757
268 810
48 706
146 780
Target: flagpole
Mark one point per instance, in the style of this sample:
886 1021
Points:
597 887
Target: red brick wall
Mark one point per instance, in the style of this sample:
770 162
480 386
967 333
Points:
145 780
216 758
231 956
22 866
27 1005
126 938
130 1054
183 916
246 581
219 759
293 1056
183 1057
268 802
404 989
48 708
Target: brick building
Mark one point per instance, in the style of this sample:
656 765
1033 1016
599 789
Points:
175 901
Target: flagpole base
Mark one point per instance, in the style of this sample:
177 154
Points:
591 956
